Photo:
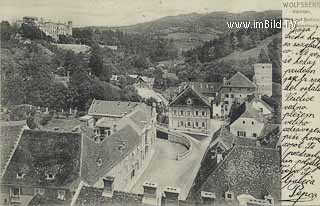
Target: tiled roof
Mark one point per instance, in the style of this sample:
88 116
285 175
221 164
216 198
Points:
205 88
41 200
111 108
40 153
245 110
8 138
239 80
252 169
197 98
100 158
93 196
253 98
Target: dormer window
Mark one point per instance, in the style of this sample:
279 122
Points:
99 162
189 101
61 194
229 195
20 175
50 176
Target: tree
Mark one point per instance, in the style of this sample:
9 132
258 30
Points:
96 61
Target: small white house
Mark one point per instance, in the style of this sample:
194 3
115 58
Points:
246 122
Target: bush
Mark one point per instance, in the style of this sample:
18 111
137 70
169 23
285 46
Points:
45 119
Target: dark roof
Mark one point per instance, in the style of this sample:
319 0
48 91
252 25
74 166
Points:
93 196
111 108
239 80
198 100
205 88
109 152
41 200
252 169
270 135
245 110
43 152
8 138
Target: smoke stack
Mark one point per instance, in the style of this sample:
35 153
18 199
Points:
208 198
171 196
108 186
150 194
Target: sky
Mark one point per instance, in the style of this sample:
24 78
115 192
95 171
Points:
122 12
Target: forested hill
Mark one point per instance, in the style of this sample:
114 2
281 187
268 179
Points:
191 30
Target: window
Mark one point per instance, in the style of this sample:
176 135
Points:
254 134
181 112
203 124
232 95
175 112
243 122
229 195
20 175
132 173
189 124
50 176
38 191
203 113
252 122
189 101
61 194
197 113
181 123
241 134
197 124
261 109
226 95
189 113
15 194
99 161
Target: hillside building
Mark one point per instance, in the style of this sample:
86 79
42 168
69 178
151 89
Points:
53 29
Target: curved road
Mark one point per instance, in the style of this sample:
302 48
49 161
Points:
165 170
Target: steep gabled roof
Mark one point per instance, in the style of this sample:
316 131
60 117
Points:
244 169
40 153
100 158
197 98
245 110
239 80
111 108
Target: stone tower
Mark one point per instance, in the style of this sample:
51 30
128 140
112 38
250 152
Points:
263 78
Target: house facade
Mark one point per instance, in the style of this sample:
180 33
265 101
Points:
190 111
246 122
263 78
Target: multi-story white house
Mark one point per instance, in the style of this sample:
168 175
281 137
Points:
190 111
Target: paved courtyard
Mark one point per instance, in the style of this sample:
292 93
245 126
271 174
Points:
165 170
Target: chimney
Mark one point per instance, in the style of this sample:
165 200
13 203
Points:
224 80
154 109
114 128
270 199
150 194
219 158
108 186
171 196
208 197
